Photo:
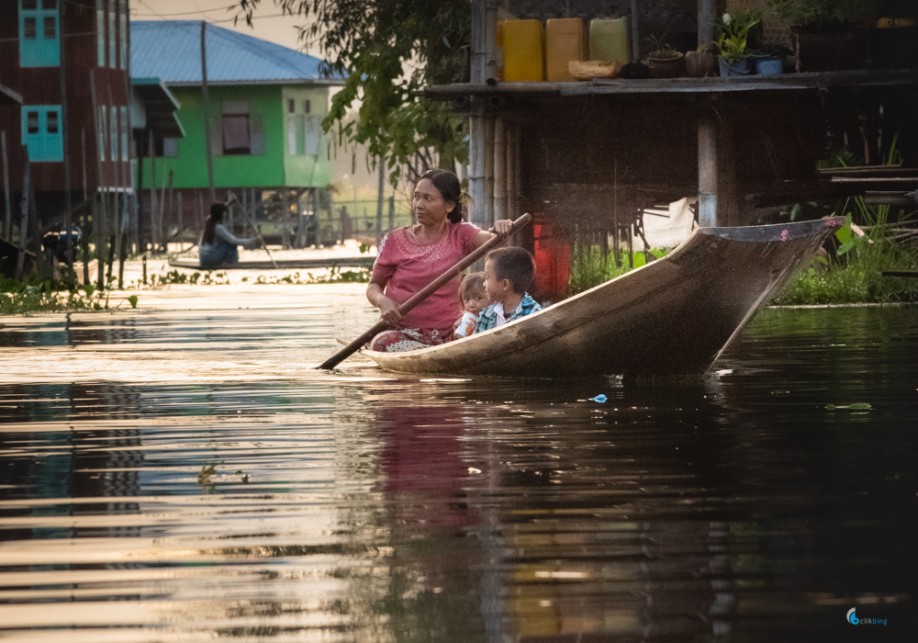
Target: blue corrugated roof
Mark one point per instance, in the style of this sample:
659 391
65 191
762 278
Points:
171 50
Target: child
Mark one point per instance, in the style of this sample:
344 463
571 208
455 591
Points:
508 273
474 298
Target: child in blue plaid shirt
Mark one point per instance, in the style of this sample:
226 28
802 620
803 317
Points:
508 273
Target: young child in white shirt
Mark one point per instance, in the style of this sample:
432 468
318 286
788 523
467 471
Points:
474 298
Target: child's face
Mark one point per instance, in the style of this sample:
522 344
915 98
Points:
476 300
495 288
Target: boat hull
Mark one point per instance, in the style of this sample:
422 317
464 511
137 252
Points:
673 316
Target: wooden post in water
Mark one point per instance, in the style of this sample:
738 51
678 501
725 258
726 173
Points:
114 128
65 128
84 238
199 220
168 209
500 170
24 211
8 208
100 217
707 171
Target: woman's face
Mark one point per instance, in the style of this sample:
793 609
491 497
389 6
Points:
429 206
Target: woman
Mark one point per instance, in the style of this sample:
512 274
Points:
218 245
412 257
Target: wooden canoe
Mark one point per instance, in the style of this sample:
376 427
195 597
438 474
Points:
282 264
673 316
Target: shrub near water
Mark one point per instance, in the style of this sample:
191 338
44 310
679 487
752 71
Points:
855 273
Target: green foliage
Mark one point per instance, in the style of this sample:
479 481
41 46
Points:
734 32
824 13
24 297
855 273
389 51
591 265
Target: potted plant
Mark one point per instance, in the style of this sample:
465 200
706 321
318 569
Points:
664 61
732 43
828 34
701 62
768 58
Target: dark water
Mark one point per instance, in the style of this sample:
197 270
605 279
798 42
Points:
181 473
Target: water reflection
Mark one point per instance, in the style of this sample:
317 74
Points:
251 498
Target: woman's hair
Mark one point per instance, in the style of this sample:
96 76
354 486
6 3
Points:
469 284
514 264
217 210
448 185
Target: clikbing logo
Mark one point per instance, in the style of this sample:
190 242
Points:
852 618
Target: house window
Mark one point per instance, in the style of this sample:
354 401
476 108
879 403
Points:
42 133
312 136
123 110
113 137
123 33
103 127
39 33
167 147
304 130
100 33
112 38
240 131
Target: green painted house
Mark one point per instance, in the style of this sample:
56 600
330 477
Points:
261 120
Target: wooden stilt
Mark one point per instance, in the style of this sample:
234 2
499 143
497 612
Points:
7 201
24 212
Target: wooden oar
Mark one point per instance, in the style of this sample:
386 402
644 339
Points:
423 294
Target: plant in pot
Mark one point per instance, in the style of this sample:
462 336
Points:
701 62
828 35
768 58
664 61
732 44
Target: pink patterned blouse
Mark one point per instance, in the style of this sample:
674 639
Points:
404 266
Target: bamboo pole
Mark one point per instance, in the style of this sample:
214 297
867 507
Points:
206 109
154 235
114 150
100 218
168 208
84 238
117 198
68 203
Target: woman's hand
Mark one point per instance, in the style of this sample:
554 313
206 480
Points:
388 310
502 228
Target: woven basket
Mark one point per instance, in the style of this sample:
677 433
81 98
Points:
589 69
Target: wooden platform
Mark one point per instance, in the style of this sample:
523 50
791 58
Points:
282 264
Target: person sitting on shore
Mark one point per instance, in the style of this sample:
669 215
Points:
474 299
508 273
219 247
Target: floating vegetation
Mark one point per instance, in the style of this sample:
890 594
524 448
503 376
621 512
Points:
23 297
